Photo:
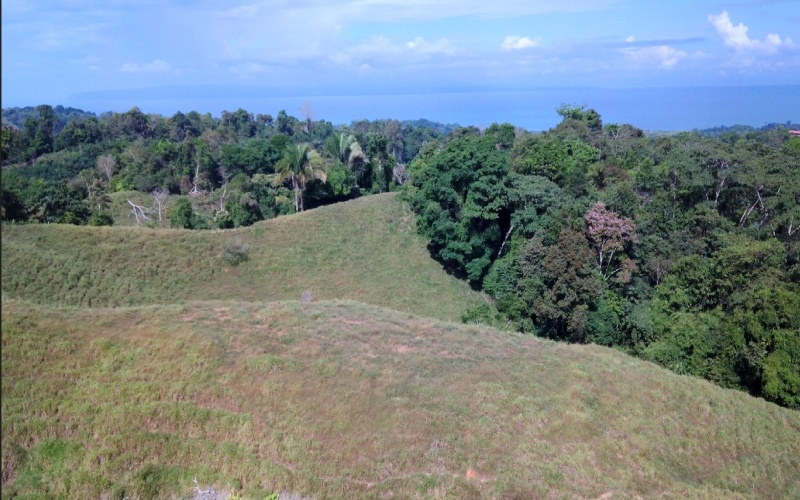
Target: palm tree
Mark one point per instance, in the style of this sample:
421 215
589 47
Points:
346 150
299 164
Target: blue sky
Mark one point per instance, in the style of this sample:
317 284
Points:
85 51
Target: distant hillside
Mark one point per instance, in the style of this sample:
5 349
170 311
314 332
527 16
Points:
345 400
444 128
365 250
743 129
17 116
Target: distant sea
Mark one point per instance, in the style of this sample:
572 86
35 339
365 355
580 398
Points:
651 109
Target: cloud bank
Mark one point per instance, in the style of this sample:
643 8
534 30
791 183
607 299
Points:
737 37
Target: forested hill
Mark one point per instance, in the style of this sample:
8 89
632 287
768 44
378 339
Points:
17 117
76 166
681 249
746 129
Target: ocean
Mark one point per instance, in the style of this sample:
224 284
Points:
651 109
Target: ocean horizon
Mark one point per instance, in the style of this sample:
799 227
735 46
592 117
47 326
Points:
651 109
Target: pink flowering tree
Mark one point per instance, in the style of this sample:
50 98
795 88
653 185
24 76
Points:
609 234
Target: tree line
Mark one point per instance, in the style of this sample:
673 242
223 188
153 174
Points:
681 249
60 164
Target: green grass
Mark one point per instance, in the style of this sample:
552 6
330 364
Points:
365 250
339 399
136 359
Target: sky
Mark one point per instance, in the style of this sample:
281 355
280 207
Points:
207 55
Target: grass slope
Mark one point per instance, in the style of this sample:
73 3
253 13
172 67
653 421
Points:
339 399
365 250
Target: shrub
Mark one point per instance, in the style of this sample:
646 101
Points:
235 251
101 219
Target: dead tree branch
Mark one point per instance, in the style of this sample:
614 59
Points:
201 493
159 195
505 240
140 213
195 190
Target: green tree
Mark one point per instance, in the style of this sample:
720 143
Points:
298 165
241 209
12 145
253 156
561 285
101 219
461 197
579 113
766 318
13 208
60 204
504 135
98 199
345 150
182 215
555 159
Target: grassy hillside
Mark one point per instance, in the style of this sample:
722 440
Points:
365 250
339 399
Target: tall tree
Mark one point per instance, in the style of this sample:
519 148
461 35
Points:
609 234
345 149
299 164
461 196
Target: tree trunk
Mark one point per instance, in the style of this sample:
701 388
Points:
298 199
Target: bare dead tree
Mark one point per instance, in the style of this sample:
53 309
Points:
160 196
400 174
721 169
225 178
105 164
195 191
140 213
222 198
505 240
136 151
307 111
659 267
752 207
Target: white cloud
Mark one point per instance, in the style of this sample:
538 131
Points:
155 66
663 56
519 42
630 39
441 46
737 37
380 51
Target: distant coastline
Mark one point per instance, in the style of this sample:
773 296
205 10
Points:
653 109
